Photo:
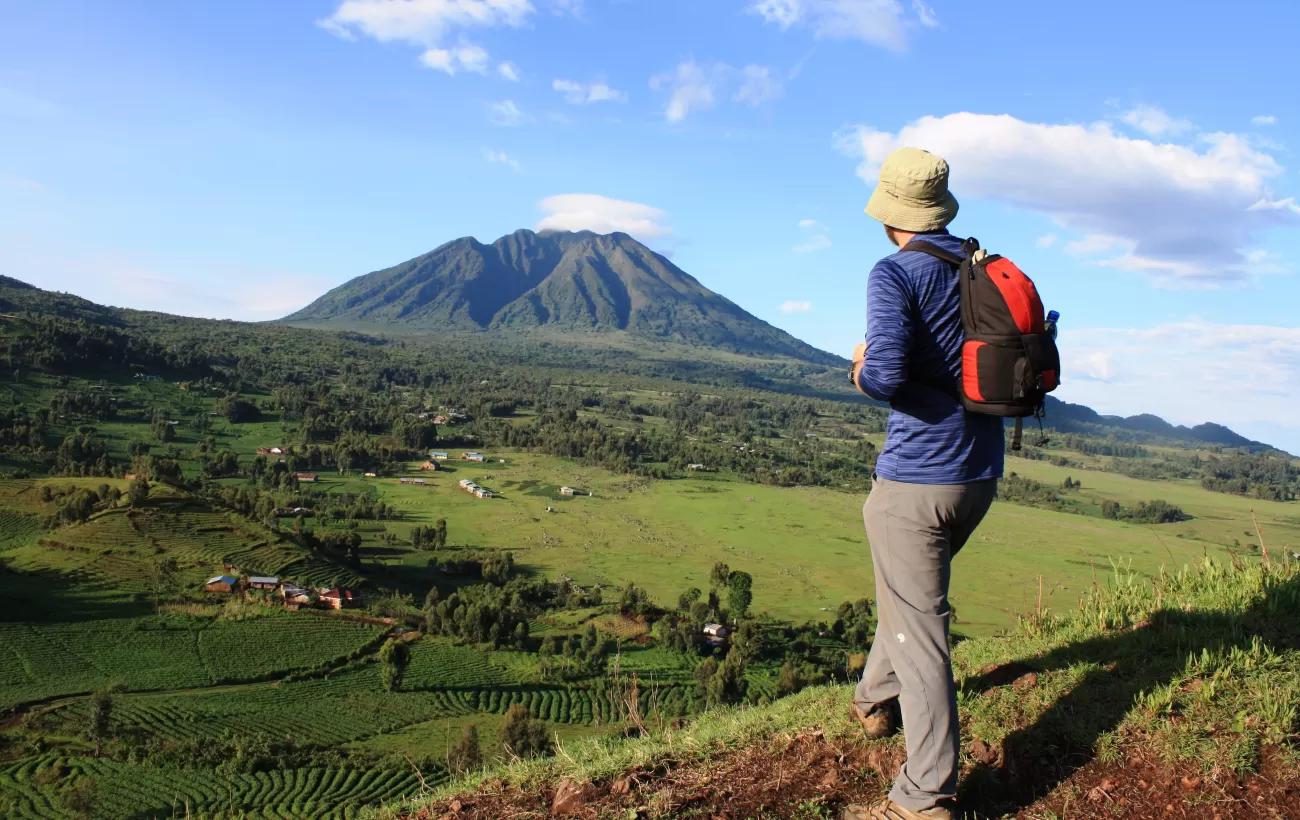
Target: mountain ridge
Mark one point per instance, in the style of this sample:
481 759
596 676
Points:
572 281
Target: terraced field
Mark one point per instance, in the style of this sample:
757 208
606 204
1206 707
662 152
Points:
131 791
43 660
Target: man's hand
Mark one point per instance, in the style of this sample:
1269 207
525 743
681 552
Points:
859 356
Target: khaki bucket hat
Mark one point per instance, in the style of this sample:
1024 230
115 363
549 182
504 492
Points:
913 192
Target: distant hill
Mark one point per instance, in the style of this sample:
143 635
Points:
730 328
577 282
1082 419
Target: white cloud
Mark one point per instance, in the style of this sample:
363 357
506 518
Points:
792 306
501 157
507 113
509 71
925 14
183 286
1046 241
819 242
592 212
1154 121
757 86
1263 119
878 22
1092 244
1181 212
427 23
585 93
24 184
691 86
464 56
1187 372
1288 204
560 7
816 237
784 13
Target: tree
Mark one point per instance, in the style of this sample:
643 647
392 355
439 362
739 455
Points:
393 656
139 491
522 736
81 798
788 681
165 572
687 599
465 756
739 592
440 533
98 723
729 685
705 671
719 576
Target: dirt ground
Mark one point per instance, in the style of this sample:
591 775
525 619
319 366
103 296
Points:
809 776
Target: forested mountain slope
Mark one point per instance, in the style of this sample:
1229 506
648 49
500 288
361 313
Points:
561 280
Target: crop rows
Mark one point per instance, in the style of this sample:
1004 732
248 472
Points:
149 653
16 528
130 791
323 574
437 663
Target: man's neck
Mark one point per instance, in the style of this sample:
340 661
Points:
903 237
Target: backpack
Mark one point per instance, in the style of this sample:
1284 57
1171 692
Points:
1009 362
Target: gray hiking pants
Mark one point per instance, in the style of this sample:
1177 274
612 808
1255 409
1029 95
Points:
915 530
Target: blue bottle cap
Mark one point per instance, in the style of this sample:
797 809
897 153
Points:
1052 316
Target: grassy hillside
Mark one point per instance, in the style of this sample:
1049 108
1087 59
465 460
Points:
1173 696
130 474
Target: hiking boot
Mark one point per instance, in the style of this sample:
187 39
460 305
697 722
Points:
880 722
889 810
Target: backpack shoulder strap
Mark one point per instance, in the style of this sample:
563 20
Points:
929 249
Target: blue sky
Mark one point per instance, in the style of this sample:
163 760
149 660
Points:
238 158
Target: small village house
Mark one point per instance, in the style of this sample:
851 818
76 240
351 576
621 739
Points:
368 475
129 476
715 634
697 467
438 455
474 457
482 493
294 594
429 465
341 598
263 582
309 478
567 491
221 583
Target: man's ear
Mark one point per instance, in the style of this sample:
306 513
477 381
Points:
891 236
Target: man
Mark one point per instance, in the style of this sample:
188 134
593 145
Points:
935 480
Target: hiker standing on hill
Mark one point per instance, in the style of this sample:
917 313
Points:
935 479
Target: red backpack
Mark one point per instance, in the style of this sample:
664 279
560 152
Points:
1009 362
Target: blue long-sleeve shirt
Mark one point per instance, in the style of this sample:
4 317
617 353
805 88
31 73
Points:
914 339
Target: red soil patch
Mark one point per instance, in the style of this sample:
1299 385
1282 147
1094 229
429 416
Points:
791 775
771 780
1140 788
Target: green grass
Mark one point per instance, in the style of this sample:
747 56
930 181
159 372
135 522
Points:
1198 669
804 546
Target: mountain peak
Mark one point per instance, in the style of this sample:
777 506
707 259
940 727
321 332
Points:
578 281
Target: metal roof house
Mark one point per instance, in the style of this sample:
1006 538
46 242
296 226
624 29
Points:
220 583
263 582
